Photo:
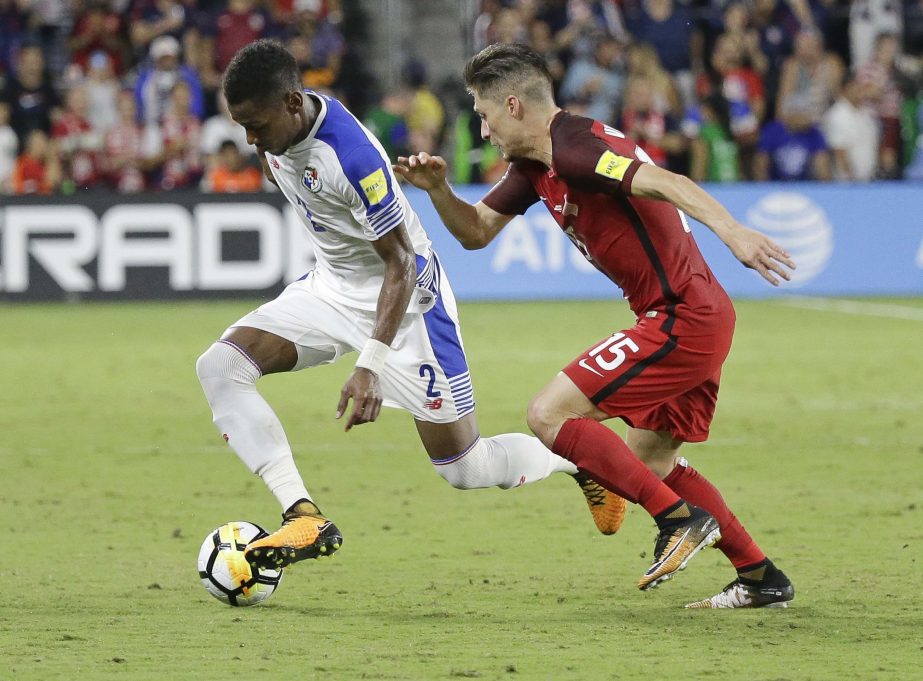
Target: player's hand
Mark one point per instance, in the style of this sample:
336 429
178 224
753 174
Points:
758 252
422 170
364 390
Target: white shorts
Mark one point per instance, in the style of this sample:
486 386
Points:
426 372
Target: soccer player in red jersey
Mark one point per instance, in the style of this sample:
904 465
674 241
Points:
660 376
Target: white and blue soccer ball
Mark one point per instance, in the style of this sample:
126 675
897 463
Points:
225 572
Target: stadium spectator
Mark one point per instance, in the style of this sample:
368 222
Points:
241 22
881 77
103 89
811 78
851 130
38 167
743 89
99 29
387 120
77 142
593 86
9 149
221 127
661 376
30 93
674 34
643 62
792 148
13 32
425 113
324 48
123 161
175 150
737 25
230 173
542 41
713 151
374 262
157 80
867 20
583 30
152 19
654 129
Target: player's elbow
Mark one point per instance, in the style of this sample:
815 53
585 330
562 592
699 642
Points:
474 239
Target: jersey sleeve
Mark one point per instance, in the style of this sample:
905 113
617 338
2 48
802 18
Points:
513 194
590 163
370 175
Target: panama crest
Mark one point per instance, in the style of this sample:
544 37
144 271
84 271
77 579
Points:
311 179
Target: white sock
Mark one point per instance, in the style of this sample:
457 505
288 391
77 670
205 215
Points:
247 422
506 461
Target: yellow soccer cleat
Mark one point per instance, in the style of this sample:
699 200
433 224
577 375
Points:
300 537
677 545
607 508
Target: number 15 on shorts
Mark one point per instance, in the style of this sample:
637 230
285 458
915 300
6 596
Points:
609 354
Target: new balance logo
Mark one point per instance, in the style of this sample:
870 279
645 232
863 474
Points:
274 163
433 404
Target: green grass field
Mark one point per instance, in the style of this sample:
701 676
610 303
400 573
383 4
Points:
112 473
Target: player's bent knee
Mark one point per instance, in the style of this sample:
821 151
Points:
543 418
222 361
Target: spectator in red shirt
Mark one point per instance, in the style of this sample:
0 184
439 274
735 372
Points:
98 28
123 160
37 170
76 141
176 149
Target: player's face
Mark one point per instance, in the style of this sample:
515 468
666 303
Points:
498 126
269 128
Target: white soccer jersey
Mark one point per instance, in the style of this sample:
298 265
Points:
340 179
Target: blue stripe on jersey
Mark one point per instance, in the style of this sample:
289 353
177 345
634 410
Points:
359 159
443 336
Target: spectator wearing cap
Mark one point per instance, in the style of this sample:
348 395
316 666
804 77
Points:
158 79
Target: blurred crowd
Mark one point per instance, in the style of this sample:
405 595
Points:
730 90
125 95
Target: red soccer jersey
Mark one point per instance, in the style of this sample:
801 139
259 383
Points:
643 245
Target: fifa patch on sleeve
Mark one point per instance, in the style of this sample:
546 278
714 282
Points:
375 187
613 166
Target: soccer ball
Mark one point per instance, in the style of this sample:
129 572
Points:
225 572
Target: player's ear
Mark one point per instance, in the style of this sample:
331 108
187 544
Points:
514 106
294 101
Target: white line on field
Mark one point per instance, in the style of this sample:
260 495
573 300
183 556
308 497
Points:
856 307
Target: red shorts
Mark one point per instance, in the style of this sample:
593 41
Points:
654 379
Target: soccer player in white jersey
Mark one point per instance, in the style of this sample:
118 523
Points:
377 288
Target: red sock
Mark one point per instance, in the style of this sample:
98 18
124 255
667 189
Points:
735 543
593 448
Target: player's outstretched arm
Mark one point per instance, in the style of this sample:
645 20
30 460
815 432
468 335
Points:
474 226
754 249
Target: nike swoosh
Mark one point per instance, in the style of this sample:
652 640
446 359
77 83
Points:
586 366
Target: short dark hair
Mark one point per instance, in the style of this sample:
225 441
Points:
264 69
509 68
